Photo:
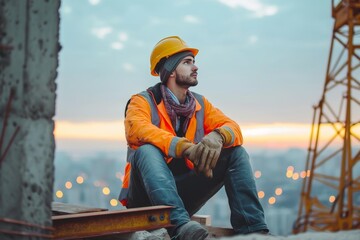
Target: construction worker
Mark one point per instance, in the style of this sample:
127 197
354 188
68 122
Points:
182 150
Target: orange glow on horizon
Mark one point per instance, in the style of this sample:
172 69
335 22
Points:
112 130
275 135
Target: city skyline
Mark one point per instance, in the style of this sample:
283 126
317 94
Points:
95 181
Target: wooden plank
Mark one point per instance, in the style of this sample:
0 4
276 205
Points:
202 219
217 232
94 224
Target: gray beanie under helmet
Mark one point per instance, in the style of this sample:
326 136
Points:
170 64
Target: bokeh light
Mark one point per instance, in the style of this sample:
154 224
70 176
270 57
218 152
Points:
113 202
261 194
272 200
295 176
59 194
106 191
290 168
68 185
80 180
257 174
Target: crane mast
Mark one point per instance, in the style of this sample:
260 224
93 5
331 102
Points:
330 194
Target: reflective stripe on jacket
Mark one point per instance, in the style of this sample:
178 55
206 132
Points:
147 122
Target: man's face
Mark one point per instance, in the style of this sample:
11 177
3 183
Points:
186 72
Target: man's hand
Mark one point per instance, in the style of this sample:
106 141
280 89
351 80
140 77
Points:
195 154
205 154
212 145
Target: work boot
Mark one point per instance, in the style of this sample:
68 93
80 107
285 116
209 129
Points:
192 231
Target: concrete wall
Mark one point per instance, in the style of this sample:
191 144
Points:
31 28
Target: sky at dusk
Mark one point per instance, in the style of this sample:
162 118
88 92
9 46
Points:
262 62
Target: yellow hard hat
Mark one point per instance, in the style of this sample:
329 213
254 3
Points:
167 47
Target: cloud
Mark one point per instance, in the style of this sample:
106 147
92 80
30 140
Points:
123 36
101 32
117 45
191 19
94 2
128 67
253 39
255 6
66 9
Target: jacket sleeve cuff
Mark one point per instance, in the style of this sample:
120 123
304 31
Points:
178 147
227 135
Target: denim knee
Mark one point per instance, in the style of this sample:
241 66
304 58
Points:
144 152
241 152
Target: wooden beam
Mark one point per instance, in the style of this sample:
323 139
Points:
218 232
202 219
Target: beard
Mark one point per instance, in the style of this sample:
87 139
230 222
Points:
186 81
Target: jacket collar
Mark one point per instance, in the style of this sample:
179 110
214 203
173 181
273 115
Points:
156 93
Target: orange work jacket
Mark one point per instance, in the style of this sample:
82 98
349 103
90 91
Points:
147 122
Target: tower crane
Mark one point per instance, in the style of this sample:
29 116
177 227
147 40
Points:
330 195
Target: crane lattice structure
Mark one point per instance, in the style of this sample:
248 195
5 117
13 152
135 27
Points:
330 196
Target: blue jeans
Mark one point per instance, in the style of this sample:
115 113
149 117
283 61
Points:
153 183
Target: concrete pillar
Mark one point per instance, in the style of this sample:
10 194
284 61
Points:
28 70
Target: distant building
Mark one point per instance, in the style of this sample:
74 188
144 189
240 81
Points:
280 220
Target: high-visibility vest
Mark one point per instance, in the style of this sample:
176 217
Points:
155 119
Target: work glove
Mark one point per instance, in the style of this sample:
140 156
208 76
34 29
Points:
193 153
210 148
189 153
206 153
